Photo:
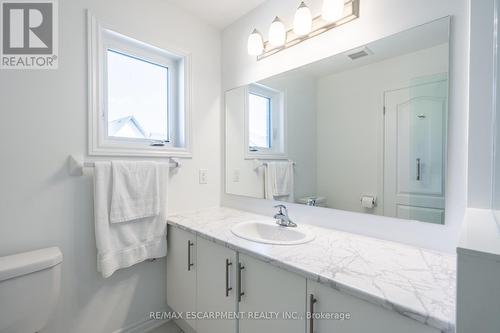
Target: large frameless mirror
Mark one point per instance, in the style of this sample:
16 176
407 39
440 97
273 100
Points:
362 131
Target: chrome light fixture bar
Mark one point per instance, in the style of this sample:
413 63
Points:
319 26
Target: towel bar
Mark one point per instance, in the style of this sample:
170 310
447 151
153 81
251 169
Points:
258 163
77 164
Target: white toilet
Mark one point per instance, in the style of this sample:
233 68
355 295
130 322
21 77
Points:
29 289
313 200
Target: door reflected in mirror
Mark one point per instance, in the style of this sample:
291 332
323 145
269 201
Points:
363 131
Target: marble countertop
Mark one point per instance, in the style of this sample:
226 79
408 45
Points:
415 282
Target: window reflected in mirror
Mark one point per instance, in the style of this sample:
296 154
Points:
259 122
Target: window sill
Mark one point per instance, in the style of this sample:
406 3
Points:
265 155
142 152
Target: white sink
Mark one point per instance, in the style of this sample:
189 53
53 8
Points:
272 233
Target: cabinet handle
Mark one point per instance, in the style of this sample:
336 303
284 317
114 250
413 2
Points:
418 168
312 300
228 288
240 293
190 264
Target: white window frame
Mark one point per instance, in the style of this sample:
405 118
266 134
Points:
178 63
278 133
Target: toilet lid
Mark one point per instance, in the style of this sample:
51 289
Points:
28 262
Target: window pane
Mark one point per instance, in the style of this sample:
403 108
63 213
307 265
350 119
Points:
259 114
137 98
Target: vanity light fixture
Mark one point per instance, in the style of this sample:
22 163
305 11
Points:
255 44
302 23
334 13
277 32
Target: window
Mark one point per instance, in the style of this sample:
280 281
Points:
138 97
265 119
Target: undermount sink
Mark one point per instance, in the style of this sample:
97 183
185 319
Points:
272 233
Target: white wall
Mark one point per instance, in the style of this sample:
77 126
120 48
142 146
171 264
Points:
481 104
44 119
378 19
478 270
350 117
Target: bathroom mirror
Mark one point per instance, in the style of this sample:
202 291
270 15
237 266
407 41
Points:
362 131
495 200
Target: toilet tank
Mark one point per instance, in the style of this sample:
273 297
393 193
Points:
318 201
29 289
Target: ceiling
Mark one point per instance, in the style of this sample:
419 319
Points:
218 13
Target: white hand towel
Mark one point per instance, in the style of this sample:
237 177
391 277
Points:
279 181
135 191
121 245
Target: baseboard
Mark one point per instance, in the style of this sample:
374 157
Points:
143 326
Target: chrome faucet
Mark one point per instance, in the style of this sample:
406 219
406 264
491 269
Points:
282 217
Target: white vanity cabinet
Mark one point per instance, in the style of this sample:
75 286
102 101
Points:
206 278
198 282
181 271
364 317
268 289
216 288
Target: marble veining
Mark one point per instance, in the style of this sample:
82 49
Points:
417 283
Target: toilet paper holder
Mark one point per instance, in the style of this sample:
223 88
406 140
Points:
368 201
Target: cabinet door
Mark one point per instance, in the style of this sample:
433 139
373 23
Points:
364 317
181 271
267 289
215 286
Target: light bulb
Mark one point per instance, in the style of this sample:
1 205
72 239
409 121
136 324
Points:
255 44
332 10
302 24
277 32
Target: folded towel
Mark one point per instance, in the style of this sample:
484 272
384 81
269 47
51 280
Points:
125 244
135 191
279 181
